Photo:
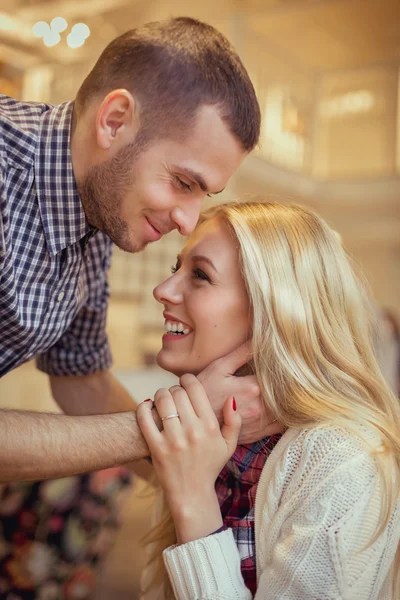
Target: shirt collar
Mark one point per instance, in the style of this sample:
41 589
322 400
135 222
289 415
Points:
249 459
63 217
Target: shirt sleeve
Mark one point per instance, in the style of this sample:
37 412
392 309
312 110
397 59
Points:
207 568
84 349
2 200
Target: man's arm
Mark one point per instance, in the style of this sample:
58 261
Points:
36 446
95 394
100 393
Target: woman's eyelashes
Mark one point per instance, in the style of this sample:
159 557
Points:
196 273
199 274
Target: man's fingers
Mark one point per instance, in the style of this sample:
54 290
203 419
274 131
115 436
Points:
247 386
237 358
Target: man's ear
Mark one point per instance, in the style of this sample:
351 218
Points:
117 120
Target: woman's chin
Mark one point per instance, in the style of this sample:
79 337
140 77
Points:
173 366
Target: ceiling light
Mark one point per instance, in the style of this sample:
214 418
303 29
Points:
58 24
81 30
74 41
41 28
51 39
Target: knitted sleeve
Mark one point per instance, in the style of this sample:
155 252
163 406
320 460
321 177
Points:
207 569
312 542
317 508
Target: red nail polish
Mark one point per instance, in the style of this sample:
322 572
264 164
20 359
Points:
148 400
234 403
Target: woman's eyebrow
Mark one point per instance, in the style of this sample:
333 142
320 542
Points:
201 258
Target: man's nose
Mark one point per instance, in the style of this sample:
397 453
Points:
186 218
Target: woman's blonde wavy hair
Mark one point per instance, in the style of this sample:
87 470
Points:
312 340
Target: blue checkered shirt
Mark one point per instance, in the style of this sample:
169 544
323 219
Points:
53 266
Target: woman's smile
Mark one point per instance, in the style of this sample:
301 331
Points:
205 300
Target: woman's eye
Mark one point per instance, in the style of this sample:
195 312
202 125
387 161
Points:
183 185
174 268
199 274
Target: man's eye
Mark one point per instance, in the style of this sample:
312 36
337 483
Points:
183 185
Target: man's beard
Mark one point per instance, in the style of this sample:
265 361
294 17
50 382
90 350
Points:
102 193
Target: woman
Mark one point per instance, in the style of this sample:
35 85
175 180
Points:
311 511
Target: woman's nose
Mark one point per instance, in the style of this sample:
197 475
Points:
169 291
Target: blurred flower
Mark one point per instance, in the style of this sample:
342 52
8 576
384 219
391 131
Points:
93 511
15 568
4 548
39 562
30 565
56 523
49 591
12 502
28 520
103 540
105 483
60 493
81 585
75 538
4 585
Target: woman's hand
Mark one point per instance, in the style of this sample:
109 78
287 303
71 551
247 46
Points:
189 453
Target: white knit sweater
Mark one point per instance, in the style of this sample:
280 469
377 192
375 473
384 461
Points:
317 505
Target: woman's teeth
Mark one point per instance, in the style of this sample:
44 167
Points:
177 328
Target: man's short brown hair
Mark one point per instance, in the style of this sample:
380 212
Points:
173 68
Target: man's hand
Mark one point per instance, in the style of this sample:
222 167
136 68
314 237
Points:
220 383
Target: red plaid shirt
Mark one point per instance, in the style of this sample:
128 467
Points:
236 489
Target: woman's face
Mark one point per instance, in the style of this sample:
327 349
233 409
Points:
205 300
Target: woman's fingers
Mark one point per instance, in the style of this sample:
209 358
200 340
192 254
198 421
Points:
198 397
167 411
183 405
149 429
231 426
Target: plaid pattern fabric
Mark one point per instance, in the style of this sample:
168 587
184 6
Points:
236 489
53 266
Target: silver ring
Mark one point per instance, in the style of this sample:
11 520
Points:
170 417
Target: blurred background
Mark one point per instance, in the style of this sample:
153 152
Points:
327 74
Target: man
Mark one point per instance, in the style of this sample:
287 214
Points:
165 117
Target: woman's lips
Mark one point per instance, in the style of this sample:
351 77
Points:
173 336
173 319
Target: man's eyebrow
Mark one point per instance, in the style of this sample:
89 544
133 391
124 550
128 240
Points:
197 177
